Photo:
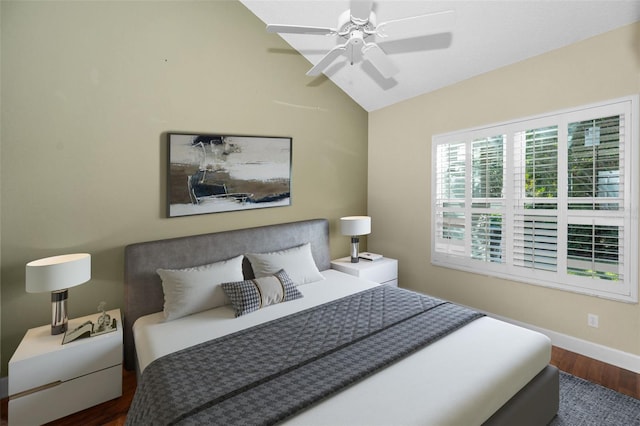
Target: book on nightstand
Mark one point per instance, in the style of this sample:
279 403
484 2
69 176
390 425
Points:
370 256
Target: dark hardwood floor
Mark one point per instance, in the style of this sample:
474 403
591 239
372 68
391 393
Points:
113 413
609 376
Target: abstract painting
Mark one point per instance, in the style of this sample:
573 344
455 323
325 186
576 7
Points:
210 173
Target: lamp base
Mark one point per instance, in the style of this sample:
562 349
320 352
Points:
59 318
355 248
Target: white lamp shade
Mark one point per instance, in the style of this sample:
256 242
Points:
355 225
58 272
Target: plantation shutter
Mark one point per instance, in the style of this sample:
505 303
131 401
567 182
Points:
535 242
546 200
451 193
595 233
487 204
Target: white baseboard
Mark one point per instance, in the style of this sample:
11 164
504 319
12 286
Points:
602 353
4 387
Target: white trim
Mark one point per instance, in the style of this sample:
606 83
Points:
612 356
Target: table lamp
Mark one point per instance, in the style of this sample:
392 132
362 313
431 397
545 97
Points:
57 274
355 226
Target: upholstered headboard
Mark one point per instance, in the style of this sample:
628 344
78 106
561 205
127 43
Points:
142 286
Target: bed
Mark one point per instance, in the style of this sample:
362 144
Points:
481 371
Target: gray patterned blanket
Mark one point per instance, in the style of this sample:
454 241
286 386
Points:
268 373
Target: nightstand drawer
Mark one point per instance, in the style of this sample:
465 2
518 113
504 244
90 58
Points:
42 359
49 380
383 271
66 397
379 270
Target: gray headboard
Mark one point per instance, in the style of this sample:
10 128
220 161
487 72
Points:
142 286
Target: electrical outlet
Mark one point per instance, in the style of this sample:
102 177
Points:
592 320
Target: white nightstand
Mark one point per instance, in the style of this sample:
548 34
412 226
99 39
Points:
383 271
49 380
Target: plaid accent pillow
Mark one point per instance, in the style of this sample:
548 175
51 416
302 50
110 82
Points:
250 295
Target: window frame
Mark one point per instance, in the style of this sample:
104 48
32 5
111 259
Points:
456 254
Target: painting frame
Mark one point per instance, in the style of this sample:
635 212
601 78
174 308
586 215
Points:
218 173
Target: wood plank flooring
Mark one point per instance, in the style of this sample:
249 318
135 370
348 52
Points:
113 413
609 376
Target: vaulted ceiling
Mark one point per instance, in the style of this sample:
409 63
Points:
486 35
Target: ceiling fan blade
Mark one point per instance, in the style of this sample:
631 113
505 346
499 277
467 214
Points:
327 60
360 11
431 23
299 29
374 54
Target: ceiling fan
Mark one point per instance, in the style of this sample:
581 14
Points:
358 23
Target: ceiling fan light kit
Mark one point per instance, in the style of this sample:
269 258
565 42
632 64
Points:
357 24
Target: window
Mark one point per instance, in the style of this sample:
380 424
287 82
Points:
545 200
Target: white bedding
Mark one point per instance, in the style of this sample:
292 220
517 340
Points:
461 379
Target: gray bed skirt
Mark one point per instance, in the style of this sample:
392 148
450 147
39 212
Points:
534 405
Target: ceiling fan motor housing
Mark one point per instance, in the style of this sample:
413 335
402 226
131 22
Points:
356 37
349 26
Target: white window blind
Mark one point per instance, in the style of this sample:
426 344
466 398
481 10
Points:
487 198
545 200
535 219
450 180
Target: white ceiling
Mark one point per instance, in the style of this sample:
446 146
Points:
487 35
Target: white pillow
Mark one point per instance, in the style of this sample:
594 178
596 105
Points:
191 290
297 262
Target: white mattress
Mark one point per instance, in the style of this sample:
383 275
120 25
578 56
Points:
461 379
